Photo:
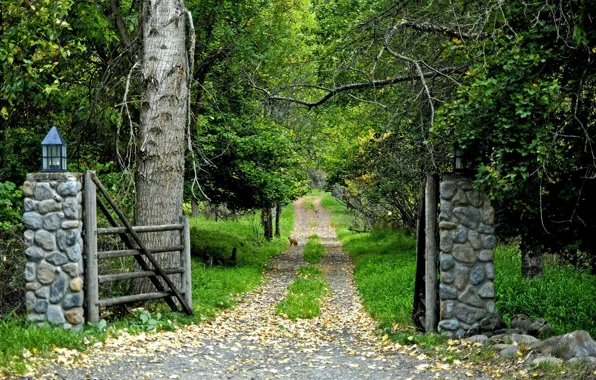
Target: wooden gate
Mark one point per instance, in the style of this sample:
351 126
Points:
150 268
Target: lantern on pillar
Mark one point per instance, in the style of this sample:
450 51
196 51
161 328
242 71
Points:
459 162
53 152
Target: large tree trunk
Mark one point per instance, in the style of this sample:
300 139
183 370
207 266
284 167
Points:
277 216
160 163
531 257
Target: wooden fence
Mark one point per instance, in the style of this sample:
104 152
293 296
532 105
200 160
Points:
150 268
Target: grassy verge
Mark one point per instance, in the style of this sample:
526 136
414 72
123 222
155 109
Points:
214 288
313 250
564 297
305 293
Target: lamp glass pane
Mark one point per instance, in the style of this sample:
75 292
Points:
44 157
459 163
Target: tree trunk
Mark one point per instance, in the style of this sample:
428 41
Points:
160 163
531 256
277 216
430 278
195 208
418 311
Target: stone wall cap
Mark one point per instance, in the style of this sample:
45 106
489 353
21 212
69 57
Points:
54 176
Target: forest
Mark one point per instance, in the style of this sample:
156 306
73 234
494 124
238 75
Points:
266 99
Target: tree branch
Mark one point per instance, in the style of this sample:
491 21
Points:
364 85
427 27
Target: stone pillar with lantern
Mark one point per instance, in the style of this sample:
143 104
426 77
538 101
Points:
467 240
53 225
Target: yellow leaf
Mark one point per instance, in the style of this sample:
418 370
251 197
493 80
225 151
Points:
457 41
593 50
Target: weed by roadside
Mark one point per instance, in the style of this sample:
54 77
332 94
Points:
304 294
313 250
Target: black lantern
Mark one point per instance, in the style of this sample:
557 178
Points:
459 163
53 152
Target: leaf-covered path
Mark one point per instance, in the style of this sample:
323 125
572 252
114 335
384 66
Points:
250 341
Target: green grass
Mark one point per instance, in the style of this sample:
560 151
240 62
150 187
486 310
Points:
317 192
564 297
308 203
313 250
304 295
18 335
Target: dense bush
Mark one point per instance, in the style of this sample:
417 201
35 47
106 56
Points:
12 272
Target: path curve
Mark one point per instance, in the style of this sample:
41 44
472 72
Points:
250 341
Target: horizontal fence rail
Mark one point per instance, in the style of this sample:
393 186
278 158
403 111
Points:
159 277
122 230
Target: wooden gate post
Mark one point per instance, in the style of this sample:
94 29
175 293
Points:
431 253
186 280
91 248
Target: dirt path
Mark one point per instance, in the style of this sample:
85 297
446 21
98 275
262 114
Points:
251 342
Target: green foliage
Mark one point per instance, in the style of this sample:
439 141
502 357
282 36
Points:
314 251
256 165
12 275
304 296
564 297
11 212
524 116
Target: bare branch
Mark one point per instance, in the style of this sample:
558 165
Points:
364 85
427 27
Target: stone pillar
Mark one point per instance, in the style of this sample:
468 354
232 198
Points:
467 239
54 269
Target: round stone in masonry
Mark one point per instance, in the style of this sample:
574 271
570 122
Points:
71 208
43 191
28 189
476 198
489 241
74 316
76 284
470 297
49 205
446 241
490 271
460 235
460 199
464 254
40 306
72 269
447 309
74 253
477 276
73 300
469 314
447 189
46 273
33 286
52 221
468 216
449 324
446 277
54 315
447 292
45 239
43 292
462 277
486 255
474 239
58 288
487 290
446 262
29 236
35 254
30 204
67 189
32 220
67 238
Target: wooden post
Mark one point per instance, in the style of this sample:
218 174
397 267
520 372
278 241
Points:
90 224
431 253
419 310
185 262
